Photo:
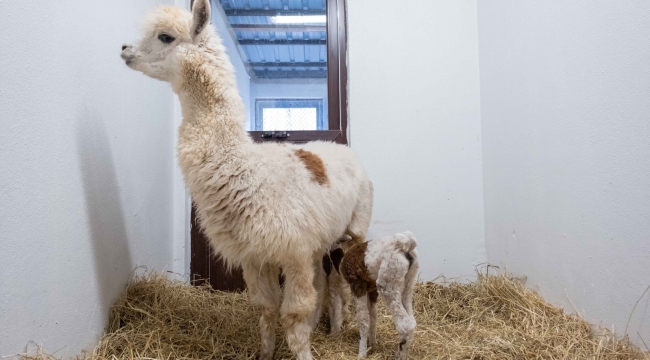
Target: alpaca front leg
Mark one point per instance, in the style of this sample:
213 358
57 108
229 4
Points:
363 322
336 308
298 305
346 298
372 311
319 284
264 291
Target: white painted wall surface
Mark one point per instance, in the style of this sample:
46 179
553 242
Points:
565 88
85 172
288 89
220 22
415 122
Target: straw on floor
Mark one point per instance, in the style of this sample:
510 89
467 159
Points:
494 317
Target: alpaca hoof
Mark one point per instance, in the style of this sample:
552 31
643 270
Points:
402 351
335 330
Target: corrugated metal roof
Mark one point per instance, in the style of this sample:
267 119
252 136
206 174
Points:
274 4
302 60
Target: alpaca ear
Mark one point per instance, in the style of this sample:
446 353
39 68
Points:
200 15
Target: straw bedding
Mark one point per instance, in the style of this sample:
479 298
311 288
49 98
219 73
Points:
494 317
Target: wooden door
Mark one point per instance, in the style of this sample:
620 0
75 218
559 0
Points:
205 266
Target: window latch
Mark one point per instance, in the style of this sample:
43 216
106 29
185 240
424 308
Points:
274 135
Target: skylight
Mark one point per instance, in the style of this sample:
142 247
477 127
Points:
307 19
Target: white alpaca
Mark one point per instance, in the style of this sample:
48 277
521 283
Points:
265 207
387 267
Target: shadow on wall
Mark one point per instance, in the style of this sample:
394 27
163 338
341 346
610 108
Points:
113 263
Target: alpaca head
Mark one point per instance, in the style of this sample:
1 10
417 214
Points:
166 31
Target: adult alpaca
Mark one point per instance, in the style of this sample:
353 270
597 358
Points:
265 207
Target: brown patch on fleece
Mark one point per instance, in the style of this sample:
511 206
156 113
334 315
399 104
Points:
337 256
332 260
355 272
314 164
372 296
327 264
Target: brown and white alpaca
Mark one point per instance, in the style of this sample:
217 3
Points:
386 267
266 207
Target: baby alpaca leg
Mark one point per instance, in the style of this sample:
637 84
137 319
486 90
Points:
411 277
390 283
404 323
298 305
372 311
363 321
264 291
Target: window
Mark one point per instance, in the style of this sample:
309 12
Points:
289 114
290 64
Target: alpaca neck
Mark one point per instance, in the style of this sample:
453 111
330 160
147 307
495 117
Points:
214 124
213 114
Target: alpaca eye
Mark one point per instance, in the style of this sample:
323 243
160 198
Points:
166 38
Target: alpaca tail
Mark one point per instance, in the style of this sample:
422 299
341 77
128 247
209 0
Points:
405 241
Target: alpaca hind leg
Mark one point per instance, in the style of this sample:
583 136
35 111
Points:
363 322
409 284
298 304
390 282
404 323
264 291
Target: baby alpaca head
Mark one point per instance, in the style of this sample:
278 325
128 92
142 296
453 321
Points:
165 31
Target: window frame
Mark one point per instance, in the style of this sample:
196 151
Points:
337 83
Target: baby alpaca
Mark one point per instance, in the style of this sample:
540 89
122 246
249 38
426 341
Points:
388 267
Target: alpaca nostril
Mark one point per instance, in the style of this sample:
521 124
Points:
124 47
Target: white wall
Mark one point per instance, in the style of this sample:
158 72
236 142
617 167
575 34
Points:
85 172
288 89
415 121
565 90
220 22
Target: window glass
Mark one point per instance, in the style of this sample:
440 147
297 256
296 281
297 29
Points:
289 114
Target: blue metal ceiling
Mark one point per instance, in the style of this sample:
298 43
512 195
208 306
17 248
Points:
269 50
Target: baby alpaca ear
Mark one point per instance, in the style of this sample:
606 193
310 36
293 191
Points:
200 15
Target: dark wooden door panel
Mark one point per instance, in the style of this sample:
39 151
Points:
205 267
